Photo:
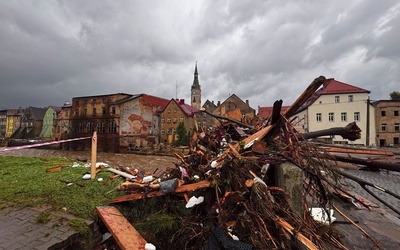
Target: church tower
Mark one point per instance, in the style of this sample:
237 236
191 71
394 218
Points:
196 91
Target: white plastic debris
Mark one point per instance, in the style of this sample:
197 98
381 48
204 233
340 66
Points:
100 179
235 237
148 178
194 201
149 246
75 165
86 176
321 215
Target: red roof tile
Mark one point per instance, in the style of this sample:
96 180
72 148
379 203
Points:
189 110
266 112
331 86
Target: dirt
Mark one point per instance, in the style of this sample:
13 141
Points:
141 162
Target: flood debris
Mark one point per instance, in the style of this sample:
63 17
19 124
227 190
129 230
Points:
228 188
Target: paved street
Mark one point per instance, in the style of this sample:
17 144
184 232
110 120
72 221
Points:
19 230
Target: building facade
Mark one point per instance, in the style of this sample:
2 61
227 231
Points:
236 108
139 120
96 113
176 111
387 117
337 104
48 120
204 120
61 125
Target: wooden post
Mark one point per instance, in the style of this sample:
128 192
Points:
94 156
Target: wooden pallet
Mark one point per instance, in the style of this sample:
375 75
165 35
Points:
122 230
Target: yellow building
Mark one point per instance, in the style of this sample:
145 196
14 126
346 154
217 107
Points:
174 113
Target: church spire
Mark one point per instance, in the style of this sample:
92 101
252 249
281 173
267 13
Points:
196 90
196 78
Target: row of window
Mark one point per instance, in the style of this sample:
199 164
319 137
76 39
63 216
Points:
94 111
175 120
100 128
395 113
384 127
343 116
350 98
170 131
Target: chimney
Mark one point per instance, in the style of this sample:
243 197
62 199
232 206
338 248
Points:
219 103
247 102
181 101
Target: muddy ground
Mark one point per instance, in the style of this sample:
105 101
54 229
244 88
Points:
141 162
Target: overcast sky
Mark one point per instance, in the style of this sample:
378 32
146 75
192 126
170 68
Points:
262 51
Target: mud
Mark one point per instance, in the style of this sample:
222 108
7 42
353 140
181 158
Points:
141 162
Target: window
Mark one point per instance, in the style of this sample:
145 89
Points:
356 116
350 99
162 120
175 119
337 99
343 116
169 131
174 110
94 111
169 111
396 113
100 127
80 128
396 140
168 120
181 119
319 117
331 117
383 127
162 131
89 127
113 110
104 111
383 113
84 111
112 128
174 131
397 127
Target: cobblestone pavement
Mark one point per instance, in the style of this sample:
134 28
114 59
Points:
19 230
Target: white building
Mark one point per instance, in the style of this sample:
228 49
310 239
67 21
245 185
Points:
337 104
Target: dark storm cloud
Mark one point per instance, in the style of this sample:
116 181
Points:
52 51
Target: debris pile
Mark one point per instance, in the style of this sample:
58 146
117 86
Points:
228 187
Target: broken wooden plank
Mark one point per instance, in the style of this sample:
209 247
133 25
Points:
180 189
121 229
126 175
356 151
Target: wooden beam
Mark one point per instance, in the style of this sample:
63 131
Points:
180 189
357 151
121 229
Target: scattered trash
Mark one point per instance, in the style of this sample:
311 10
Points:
149 246
194 201
321 215
54 169
86 176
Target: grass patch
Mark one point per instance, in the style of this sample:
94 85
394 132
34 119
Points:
79 225
43 217
25 182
